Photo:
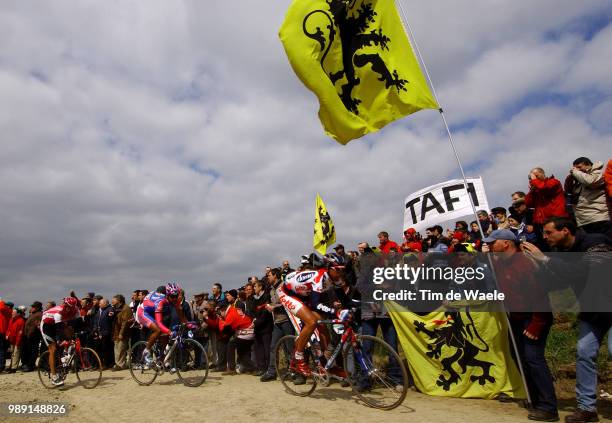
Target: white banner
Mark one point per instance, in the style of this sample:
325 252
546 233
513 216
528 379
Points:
443 202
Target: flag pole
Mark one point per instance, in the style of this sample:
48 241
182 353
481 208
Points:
413 41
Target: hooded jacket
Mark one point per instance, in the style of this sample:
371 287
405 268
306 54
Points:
589 189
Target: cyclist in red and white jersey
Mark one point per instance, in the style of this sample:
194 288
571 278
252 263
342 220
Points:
52 326
301 296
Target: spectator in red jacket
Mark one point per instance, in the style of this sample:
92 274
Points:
386 244
545 196
235 321
411 243
6 312
14 336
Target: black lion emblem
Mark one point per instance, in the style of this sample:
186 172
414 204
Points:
456 335
352 26
325 219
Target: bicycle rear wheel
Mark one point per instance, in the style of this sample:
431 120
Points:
88 368
294 383
376 373
191 363
142 373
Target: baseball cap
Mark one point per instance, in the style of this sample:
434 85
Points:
410 231
37 304
501 234
338 247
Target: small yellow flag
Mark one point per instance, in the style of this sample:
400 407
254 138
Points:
462 353
324 231
355 56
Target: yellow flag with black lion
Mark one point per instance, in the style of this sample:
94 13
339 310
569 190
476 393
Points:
458 353
355 56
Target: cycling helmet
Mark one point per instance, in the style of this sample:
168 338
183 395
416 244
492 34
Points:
172 289
71 302
334 260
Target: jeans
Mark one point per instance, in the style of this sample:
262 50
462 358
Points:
262 350
610 344
370 327
590 337
280 330
537 373
243 347
222 352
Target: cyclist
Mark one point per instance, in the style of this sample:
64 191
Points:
52 327
301 296
151 312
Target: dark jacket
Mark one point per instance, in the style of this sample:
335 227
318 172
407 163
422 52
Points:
585 273
103 321
264 323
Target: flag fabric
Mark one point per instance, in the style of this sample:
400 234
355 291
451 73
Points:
464 353
324 231
356 57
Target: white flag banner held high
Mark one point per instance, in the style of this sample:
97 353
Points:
443 202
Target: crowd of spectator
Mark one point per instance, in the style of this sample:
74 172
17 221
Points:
240 327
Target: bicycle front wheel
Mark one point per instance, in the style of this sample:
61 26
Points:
376 373
294 383
191 363
88 368
141 372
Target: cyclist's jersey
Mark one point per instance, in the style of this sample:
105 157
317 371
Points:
53 317
57 314
306 282
152 310
303 288
155 303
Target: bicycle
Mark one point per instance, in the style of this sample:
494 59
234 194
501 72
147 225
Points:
372 367
71 356
183 355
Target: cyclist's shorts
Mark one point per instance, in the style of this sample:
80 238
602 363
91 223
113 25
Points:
291 303
144 319
51 332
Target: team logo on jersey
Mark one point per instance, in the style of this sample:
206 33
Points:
305 276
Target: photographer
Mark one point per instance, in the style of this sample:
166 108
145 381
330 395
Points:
201 308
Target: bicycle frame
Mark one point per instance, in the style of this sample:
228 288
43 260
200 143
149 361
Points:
76 343
347 336
176 342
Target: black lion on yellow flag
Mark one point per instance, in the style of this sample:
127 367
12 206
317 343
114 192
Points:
453 333
353 26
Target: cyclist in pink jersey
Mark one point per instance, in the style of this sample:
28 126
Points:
151 311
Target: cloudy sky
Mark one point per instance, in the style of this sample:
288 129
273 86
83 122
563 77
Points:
148 141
